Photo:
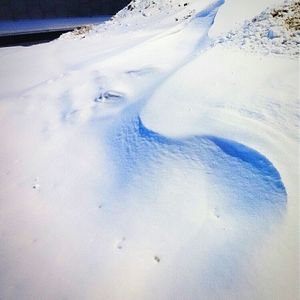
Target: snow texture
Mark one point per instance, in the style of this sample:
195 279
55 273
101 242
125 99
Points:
151 157
275 31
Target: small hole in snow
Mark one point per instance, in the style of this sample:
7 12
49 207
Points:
111 96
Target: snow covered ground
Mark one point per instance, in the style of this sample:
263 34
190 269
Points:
153 157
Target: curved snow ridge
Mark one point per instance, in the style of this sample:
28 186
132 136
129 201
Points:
246 179
230 94
210 9
252 157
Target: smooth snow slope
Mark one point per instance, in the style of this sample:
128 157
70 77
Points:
143 160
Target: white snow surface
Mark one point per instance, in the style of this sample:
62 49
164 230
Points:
235 12
268 32
148 160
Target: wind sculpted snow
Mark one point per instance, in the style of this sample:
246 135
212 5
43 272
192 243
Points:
148 163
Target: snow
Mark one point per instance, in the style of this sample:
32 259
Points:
235 12
144 159
272 31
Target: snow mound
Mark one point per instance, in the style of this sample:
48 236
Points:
274 31
232 15
153 14
147 162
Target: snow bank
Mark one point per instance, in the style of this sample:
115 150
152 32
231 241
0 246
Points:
148 14
274 31
148 161
235 12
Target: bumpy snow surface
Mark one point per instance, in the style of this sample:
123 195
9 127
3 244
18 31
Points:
154 156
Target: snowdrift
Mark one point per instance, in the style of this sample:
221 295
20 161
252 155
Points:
153 157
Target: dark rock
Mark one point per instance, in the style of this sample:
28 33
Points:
157 259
